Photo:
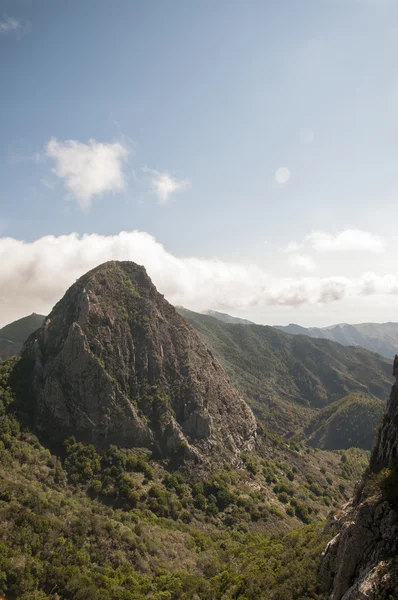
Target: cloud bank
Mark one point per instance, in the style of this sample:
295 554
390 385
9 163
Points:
88 170
33 276
345 241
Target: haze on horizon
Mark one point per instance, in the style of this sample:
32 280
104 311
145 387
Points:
244 153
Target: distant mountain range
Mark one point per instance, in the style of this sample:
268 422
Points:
376 337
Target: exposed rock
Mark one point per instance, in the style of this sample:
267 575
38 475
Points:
361 561
115 364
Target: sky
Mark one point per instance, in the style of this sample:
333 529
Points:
244 151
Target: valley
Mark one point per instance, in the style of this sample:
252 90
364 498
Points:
132 467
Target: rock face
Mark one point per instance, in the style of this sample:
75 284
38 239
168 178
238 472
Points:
115 364
361 561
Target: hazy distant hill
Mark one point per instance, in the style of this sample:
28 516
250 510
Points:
20 330
287 377
225 318
12 336
377 337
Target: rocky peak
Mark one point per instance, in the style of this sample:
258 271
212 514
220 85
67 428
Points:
115 364
361 561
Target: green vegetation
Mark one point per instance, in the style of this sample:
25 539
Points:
354 461
285 378
119 526
349 422
382 485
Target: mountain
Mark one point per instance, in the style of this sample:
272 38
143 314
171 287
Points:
345 423
361 561
287 378
106 502
12 336
376 337
86 523
114 363
225 318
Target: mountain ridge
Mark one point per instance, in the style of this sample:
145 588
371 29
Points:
13 335
115 363
348 422
376 337
286 378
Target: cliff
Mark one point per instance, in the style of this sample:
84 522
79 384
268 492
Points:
115 364
361 561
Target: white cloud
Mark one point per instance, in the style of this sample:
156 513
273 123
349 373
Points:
88 170
371 284
164 185
8 24
302 261
293 247
33 276
282 175
345 241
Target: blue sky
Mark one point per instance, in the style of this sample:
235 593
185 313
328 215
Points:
255 140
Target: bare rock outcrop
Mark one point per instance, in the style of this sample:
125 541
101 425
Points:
115 364
361 561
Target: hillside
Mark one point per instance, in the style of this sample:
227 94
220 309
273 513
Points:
228 318
376 337
9 348
120 525
147 479
361 561
348 422
20 330
285 378
12 336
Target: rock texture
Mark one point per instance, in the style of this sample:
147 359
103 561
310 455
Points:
361 561
115 364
